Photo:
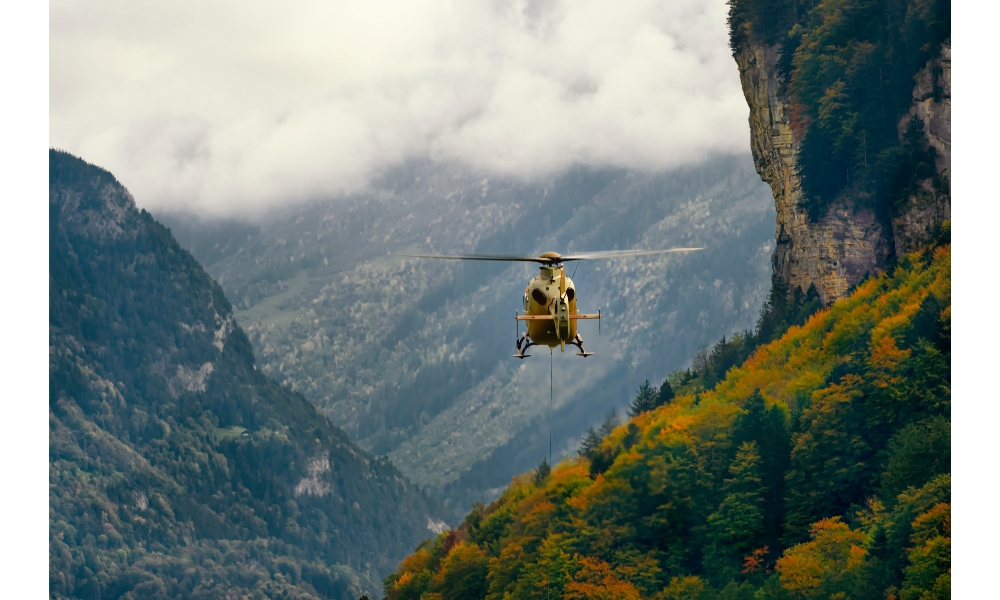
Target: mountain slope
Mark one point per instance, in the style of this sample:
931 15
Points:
177 468
412 357
819 468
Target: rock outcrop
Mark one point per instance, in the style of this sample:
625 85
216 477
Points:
837 250
931 204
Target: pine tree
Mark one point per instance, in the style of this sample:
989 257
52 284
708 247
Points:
591 440
542 472
739 521
644 401
666 394
609 423
767 427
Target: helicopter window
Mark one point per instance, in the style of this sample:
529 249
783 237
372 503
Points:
570 293
538 296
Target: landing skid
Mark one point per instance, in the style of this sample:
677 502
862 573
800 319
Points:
523 343
578 342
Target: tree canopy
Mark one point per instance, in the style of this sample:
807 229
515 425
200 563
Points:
816 468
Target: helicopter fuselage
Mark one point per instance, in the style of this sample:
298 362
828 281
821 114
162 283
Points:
544 296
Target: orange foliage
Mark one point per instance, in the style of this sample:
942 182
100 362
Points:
883 363
404 579
569 475
596 579
935 522
798 120
538 515
754 562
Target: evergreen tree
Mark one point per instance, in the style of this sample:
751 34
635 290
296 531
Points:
768 429
542 472
590 448
666 395
591 440
608 424
644 401
740 517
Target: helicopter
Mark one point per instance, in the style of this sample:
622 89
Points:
550 300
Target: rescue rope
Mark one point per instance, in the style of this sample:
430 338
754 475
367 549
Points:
549 533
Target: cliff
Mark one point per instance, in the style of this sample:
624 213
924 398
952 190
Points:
849 240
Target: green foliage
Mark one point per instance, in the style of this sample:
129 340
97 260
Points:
767 428
155 491
739 521
928 575
600 456
915 452
766 21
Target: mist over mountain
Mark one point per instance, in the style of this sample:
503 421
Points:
177 468
229 112
413 357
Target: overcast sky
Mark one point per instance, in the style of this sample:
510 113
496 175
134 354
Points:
227 107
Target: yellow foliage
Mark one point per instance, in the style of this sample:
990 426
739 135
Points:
690 587
816 567
416 562
935 522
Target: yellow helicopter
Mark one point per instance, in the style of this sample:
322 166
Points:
550 298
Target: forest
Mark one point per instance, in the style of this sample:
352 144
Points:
847 71
819 467
176 467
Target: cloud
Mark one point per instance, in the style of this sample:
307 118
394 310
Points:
231 107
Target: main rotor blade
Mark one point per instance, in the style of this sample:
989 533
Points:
620 253
494 257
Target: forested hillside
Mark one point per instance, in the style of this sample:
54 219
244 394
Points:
820 468
177 468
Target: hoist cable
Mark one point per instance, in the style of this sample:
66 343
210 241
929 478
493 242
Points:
549 533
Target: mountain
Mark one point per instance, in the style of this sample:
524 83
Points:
850 125
413 357
177 467
820 468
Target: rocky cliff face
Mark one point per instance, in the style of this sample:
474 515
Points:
844 244
932 108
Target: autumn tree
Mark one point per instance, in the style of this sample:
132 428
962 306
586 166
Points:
829 565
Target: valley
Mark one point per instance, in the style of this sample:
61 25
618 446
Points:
412 357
